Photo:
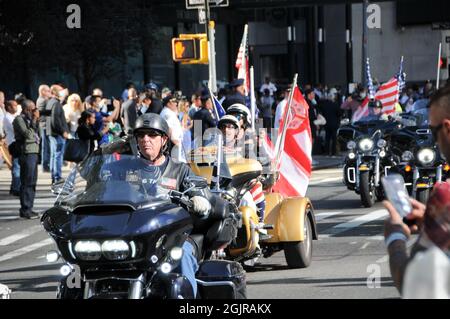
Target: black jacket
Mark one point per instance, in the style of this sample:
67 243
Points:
207 119
58 119
87 133
332 113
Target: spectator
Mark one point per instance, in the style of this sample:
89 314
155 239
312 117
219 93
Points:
128 113
432 221
196 104
237 95
280 109
44 124
353 102
2 113
102 119
59 132
144 104
331 111
268 86
170 114
165 93
267 102
11 110
156 105
205 118
310 98
26 133
124 95
186 124
72 112
86 131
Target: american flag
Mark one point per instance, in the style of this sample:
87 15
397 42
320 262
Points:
387 94
242 61
296 161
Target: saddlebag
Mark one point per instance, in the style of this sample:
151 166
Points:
221 279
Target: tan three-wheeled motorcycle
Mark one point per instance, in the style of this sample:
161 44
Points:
289 222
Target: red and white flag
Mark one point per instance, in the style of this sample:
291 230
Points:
296 160
242 61
387 94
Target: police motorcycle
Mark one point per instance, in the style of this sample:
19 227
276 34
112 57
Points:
369 156
420 161
120 235
290 222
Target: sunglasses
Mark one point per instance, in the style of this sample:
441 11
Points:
147 133
435 130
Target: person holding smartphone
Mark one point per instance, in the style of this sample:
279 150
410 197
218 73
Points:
432 221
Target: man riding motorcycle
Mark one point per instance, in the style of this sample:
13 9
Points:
152 136
375 112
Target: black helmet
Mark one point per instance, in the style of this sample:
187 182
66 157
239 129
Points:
151 121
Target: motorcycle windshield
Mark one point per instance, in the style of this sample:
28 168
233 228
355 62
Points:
112 179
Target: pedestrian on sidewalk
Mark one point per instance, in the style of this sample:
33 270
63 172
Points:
11 110
26 133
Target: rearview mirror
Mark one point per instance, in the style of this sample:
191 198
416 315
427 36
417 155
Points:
196 182
345 122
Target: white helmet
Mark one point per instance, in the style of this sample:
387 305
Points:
242 110
228 119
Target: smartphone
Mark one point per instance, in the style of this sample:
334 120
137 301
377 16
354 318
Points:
396 193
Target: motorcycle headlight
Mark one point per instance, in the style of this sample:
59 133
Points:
351 145
88 250
426 156
366 144
381 143
115 249
407 156
351 156
176 253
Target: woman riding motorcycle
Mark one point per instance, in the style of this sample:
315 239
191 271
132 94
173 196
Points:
231 127
152 136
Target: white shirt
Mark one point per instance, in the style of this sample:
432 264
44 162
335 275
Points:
8 128
279 113
176 135
271 87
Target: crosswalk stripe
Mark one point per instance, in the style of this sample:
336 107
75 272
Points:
322 216
325 180
340 228
26 250
16 237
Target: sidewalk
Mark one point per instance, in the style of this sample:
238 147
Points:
324 161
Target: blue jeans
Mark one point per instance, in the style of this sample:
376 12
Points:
56 156
15 175
189 265
45 150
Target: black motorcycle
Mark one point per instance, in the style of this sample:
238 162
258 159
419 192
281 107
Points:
421 163
121 235
369 157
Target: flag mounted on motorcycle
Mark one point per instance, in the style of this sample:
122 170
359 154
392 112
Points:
295 164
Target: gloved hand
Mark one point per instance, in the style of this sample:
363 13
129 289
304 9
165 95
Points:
200 205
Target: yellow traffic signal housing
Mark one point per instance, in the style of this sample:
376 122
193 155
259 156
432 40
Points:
190 49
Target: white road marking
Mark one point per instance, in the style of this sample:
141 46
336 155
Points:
340 228
16 237
325 180
365 245
26 250
322 216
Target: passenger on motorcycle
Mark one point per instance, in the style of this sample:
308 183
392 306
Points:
231 127
152 136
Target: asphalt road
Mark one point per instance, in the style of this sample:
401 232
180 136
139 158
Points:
349 259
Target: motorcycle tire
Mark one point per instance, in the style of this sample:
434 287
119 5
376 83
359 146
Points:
368 195
422 195
299 254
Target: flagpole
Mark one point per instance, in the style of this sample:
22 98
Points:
279 146
438 67
252 97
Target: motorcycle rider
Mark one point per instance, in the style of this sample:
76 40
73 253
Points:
152 135
375 112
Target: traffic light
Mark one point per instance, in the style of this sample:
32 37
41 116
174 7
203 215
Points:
443 63
190 49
